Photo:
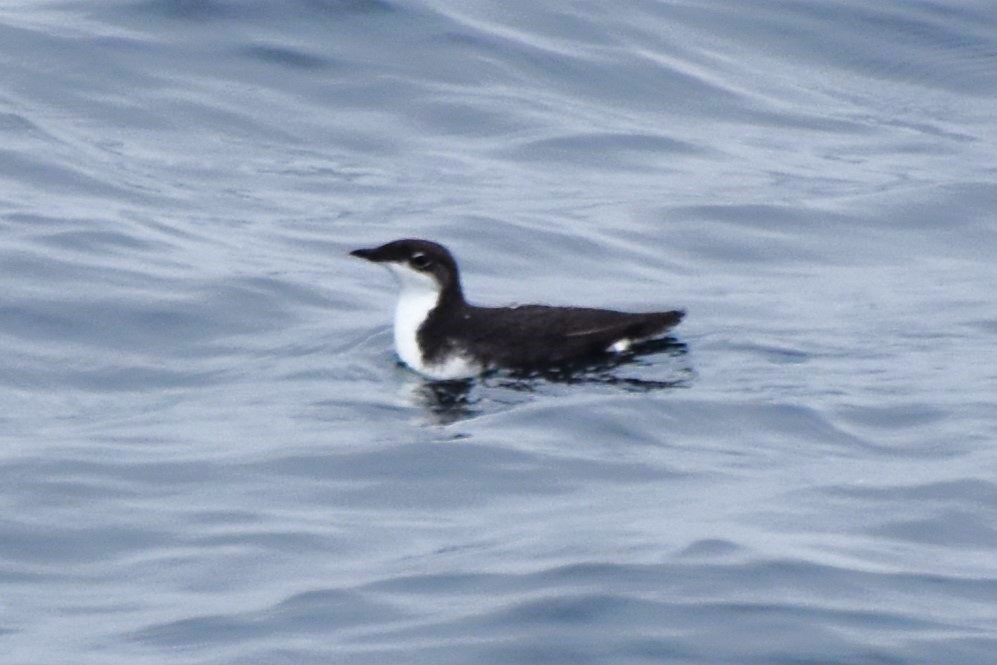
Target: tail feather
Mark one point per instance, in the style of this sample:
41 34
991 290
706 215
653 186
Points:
654 323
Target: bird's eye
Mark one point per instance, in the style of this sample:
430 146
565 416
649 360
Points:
420 261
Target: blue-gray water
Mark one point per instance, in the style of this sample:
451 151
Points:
208 454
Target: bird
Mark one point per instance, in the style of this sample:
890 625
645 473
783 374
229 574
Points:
441 336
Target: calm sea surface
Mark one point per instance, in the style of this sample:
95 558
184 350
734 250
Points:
209 455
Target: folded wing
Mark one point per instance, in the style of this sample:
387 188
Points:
536 335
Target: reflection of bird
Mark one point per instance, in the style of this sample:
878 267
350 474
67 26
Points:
440 335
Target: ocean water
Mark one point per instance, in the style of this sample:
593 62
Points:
208 453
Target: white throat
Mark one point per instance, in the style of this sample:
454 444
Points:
420 293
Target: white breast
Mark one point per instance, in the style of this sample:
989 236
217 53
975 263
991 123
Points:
419 295
411 311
